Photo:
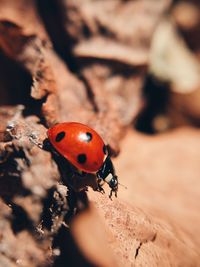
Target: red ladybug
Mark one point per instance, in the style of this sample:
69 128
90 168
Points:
84 148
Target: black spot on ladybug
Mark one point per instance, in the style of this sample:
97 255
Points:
82 158
86 137
105 149
89 136
60 136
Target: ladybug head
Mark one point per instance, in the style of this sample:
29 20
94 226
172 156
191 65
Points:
107 173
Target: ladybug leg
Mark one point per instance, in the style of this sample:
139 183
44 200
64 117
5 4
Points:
110 195
47 145
99 186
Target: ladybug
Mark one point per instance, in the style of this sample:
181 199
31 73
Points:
85 150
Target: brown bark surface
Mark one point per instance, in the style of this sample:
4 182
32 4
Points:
107 64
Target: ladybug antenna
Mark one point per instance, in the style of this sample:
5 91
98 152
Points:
123 185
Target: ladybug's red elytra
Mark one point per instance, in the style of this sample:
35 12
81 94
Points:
84 148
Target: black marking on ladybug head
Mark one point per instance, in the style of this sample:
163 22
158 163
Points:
105 149
82 158
60 136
